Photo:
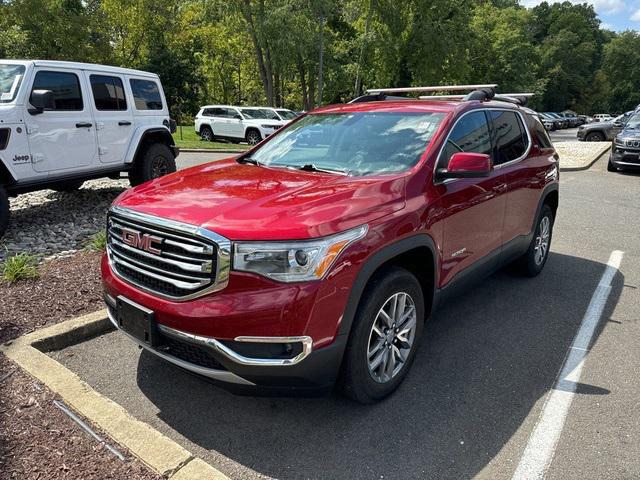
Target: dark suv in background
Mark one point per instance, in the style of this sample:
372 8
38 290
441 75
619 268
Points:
625 150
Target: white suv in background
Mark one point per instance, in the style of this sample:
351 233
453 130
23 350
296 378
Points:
284 114
236 124
62 123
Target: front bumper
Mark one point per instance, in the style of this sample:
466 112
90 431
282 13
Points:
308 372
625 157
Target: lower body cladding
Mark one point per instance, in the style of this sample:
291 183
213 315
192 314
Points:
245 365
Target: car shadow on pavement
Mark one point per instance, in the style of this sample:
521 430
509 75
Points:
484 362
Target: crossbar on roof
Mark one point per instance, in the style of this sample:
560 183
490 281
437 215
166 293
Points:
441 88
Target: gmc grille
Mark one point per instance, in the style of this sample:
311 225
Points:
166 258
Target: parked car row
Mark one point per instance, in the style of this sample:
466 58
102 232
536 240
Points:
240 124
555 121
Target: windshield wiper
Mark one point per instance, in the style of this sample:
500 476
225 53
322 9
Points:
247 159
310 167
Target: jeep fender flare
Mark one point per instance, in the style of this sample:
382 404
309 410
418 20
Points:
374 262
141 134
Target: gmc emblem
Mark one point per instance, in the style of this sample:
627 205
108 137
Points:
142 241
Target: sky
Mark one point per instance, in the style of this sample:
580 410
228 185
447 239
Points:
617 15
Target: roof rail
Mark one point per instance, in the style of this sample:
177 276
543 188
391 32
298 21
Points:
516 98
437 88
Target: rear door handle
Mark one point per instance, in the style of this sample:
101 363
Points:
124 123
84 125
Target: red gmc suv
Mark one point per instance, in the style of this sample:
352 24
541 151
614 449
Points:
316 257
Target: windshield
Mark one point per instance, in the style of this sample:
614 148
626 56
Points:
259 113
10 80
634 122
358 143
286 114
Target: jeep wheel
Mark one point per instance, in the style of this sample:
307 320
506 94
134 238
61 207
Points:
253 137
206 133
156 161
67 187
611 167
4 211
384 338
532 262
594 137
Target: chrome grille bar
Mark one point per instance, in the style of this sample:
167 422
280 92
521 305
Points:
183 262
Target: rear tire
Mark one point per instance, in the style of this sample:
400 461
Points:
594 137
533 261
68 187
206 133
382 347
155 162
5 213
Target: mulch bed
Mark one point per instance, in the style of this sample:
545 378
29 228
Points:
66 288
37 440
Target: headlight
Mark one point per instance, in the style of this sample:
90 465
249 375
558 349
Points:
618 141
294 261
267 126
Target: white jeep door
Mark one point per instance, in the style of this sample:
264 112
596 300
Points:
113 116
64 138
235 127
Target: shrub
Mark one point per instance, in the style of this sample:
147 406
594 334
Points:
19 267
98 242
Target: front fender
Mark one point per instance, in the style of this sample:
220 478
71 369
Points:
138 138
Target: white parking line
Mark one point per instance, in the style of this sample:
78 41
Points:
542 442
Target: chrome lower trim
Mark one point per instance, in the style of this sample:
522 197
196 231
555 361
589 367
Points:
631 164
221 375
213 344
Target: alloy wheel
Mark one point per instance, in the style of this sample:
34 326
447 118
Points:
206 135
159 167
542 240
391 338
253 138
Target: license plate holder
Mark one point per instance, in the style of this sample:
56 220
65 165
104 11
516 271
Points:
137 321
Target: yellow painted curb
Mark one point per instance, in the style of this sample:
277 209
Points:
156 450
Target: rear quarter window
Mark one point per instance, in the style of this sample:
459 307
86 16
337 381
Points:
540 132
511 136
146 94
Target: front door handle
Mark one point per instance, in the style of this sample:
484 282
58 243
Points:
124 123
84 125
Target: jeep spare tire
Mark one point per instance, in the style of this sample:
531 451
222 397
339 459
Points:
155 162
4 211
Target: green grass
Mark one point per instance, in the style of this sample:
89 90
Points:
98 242
19 267
190 139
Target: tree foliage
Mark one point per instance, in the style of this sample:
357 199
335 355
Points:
301 53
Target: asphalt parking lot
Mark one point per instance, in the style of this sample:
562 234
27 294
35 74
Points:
475 393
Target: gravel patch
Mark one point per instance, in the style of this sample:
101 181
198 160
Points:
48 223
580 154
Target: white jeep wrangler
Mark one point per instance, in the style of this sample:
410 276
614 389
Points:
62 123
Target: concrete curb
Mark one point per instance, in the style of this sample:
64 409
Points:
588 165
156 450
209 150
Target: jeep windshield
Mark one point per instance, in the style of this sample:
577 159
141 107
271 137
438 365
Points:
259 114
633 123
10 80
356 143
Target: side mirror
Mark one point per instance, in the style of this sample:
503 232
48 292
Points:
41 100
467 165
237 116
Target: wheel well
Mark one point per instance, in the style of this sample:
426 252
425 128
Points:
420 262
254 129
552 201
151 137
205 125
595 131
5 176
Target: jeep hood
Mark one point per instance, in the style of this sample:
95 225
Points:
247 202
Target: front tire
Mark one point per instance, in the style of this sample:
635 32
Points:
253 137
533 261
155 162
595 137
5 213
611 167
384 338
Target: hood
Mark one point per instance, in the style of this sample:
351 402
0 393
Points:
10 113
247 202
629 133
596 125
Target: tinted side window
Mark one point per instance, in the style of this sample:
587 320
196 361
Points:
230 113
108 92
511 137
65 88
146 94
470 134
543 137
